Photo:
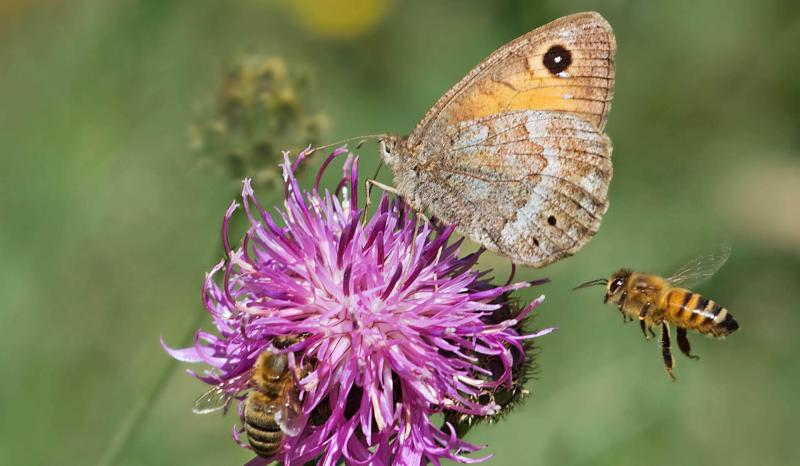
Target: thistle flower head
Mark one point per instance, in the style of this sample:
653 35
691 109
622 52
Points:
390 325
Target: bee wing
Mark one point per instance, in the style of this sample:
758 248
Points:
213 400
288 417
220 396
700 268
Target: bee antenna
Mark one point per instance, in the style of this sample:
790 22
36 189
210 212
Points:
599 281
361 139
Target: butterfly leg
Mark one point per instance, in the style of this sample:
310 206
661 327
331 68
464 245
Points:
683 344
512 273
368 185
385 187
436 223
435 274
666 351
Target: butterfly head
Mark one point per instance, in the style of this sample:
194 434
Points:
390 147
405 167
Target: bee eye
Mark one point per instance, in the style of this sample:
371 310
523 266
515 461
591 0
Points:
615 285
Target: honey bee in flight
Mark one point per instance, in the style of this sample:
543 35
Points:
272 405
658 301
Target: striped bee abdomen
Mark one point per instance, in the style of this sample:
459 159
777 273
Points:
696 312
263 432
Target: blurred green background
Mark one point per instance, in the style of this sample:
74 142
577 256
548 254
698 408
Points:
109 219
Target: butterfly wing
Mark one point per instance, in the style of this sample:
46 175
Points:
531 185
515 152
566 65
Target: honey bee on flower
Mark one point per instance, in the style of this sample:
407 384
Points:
394 327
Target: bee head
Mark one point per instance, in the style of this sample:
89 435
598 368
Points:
616 285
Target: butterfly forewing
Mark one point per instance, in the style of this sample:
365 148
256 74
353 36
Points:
566 65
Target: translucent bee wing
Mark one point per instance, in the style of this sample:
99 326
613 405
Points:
288 417
211 401
700 268
220 396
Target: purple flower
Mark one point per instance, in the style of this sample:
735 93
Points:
391 325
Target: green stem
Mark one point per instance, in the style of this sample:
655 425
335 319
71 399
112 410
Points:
130 426
133 421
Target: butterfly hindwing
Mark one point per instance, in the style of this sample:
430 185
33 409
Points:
531 185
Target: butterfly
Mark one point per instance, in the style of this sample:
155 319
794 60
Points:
515 154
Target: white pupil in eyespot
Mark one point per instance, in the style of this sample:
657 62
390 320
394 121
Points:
557 59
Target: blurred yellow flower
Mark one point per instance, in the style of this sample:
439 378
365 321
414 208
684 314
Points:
338 18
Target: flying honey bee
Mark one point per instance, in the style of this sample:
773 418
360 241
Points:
657 302
272 405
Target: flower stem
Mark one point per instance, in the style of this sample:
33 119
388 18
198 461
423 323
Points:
130 426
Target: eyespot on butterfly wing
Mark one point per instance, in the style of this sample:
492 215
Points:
565 65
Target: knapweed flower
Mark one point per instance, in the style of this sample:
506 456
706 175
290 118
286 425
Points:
508 396
390 325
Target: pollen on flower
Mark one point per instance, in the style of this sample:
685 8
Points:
386 324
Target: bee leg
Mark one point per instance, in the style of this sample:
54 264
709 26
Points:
683 344
643 312
644 329
652 332
666 352
622 299
642 315
625 317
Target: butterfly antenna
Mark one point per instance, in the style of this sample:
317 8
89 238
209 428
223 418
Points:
599 281
361 139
